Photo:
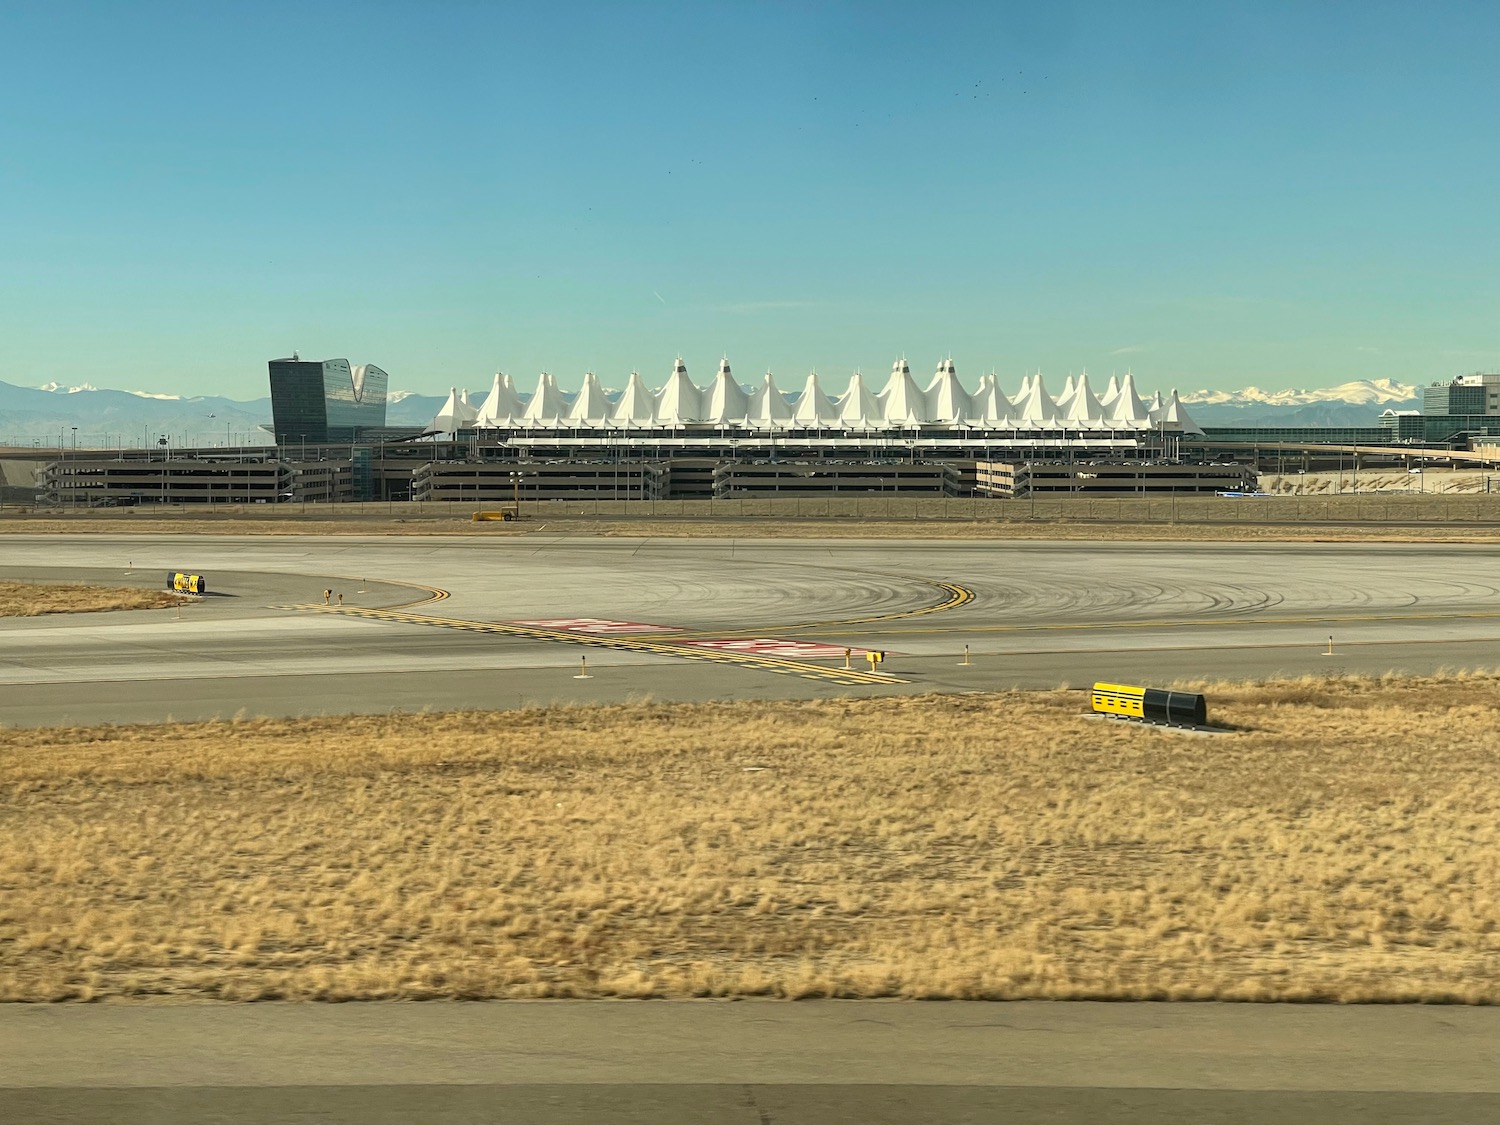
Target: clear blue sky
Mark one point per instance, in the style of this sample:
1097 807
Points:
1212 194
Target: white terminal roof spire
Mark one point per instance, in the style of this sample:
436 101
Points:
677 403
637 406
1126 407
725 402
859 409
590 405
947 401
814 409
944 404
546 407
456 414
902 403
1082 406
1036 405
768 408
502 407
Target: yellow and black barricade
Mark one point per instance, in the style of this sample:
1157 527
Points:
187 583
1178 708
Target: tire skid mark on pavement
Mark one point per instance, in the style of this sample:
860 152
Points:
955 596
1187 623
848 677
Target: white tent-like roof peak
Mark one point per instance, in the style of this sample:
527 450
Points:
768 408
502 407
679 401
1126 408
724 402
902 402
591 405
858 408
813 408
1082 406
637 405
455 414
947 401
1036 405
1175 414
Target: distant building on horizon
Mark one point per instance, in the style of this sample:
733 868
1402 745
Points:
1478 393
325 400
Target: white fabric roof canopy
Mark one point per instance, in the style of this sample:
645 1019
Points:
901 405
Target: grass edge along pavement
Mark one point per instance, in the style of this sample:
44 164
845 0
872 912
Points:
36 599
1339 845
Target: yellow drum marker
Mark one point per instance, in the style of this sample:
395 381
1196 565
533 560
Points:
1153 705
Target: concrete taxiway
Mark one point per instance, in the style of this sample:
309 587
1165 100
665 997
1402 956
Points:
757 1062
476 622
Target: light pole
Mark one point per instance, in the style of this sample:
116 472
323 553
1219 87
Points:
166 459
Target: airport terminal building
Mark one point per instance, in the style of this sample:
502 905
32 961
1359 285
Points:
681 441
319 401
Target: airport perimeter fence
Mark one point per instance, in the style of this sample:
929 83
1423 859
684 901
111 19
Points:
1356 509
1066 509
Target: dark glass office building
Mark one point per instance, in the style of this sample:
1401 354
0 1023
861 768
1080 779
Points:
325 400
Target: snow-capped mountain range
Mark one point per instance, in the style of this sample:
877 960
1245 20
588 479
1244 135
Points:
108 418
1361 392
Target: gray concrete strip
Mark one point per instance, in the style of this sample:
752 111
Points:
1096 1045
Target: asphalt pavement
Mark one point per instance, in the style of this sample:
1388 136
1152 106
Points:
693 619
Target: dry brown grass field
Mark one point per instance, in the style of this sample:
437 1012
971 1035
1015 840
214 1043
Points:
1341 844
32 599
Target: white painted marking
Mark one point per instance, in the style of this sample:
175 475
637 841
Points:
597 626
769 646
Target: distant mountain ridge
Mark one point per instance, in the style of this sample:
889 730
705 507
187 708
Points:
104 418
109 418
1361 392
1355 404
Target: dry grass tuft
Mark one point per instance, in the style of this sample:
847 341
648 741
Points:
1342 846
33 599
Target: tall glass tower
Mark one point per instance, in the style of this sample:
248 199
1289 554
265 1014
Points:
325 400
